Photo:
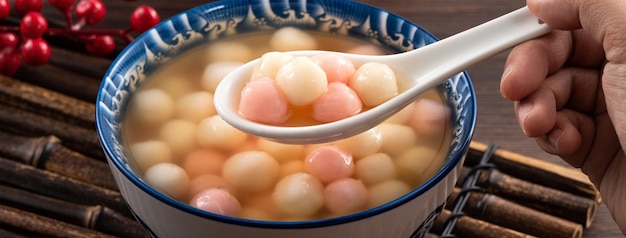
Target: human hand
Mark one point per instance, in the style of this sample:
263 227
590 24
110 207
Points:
569 89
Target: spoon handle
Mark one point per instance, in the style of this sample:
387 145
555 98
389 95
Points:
454 54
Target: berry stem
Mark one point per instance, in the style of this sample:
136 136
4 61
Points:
68 17
126 36
122 34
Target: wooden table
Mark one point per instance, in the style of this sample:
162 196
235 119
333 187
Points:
496 122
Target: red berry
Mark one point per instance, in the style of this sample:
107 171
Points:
25 6
62 5
9 61
8 40
35 51
33 25
143 18
101 45
92 11
5 8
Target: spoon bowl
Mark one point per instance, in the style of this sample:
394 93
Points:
420 70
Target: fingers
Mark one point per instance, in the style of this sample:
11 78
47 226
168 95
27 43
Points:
537 113
575 89
530 63
565 137
592 154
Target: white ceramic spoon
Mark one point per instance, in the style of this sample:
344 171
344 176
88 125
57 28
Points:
422 69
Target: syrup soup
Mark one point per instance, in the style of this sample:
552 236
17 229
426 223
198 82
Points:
184 149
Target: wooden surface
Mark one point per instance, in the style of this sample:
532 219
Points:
496 122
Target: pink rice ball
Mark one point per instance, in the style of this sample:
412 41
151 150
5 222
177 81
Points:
337 103
218 201
262 101
329 163
337 67
345 196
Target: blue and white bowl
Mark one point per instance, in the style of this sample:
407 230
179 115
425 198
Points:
411 215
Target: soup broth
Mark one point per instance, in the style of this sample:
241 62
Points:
181 147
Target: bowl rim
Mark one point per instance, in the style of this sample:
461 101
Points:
129 175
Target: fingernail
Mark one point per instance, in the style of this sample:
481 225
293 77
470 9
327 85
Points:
505 75
555 136
522 113
506 72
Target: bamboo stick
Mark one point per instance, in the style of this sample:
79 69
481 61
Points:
60 187
44 102
466 226
537 171
552 201
67 162
25 123
94 217
44 226
49 154
495 210
60 80
75 62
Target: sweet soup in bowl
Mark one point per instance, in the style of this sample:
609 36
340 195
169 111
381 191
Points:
186 172
185 150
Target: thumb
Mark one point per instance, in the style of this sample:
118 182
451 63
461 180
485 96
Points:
604 20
